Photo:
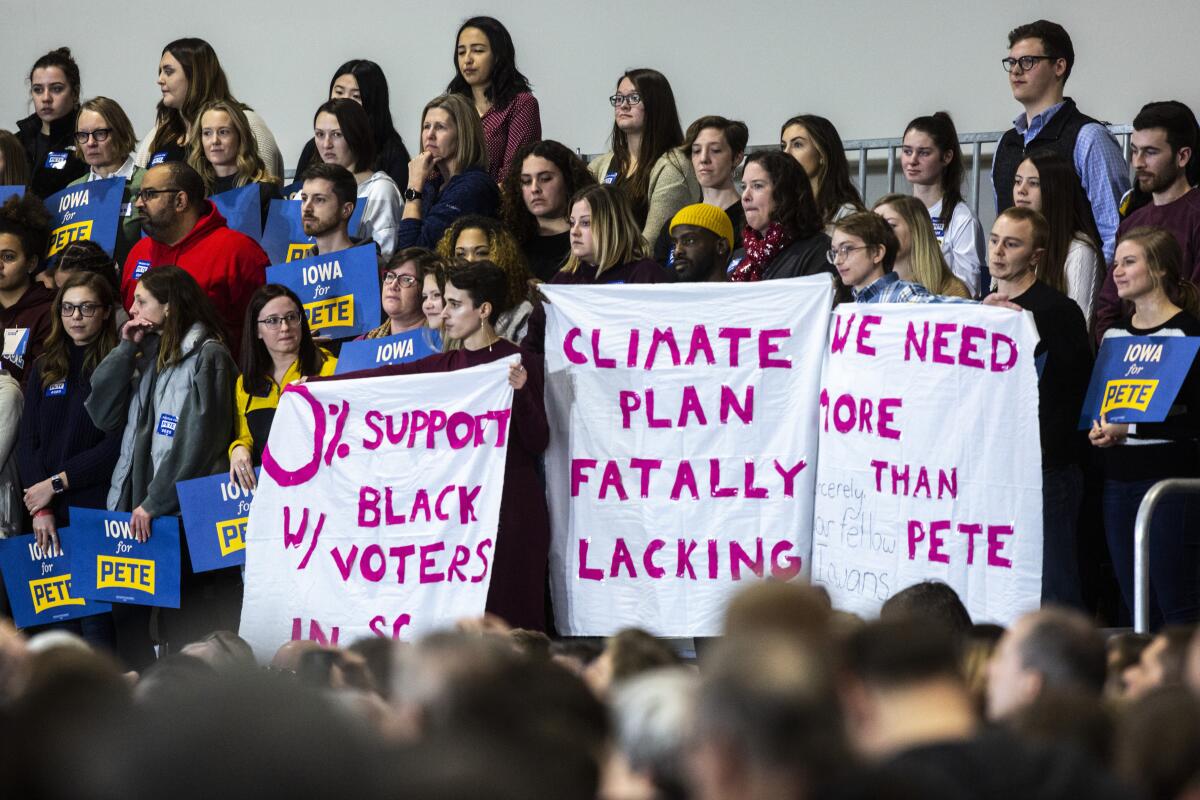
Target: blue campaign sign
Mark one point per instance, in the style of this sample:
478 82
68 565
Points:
109 564
90 210
1136 378
283 236
398 349
241 209
10 191
340 291
215 511
39 584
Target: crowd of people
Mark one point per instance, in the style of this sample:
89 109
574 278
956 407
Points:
177 323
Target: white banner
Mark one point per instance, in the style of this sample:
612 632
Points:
682 449
930 459
377 507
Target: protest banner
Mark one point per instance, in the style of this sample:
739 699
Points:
682 446
377 507
39 584
930 462
399 349
339 291
1137 378
283 236
242 209
89 211
109 564
214 511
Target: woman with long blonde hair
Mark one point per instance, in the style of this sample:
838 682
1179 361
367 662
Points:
222 150
919 258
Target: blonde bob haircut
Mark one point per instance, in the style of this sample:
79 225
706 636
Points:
616 235
929 267
123 138
470 151
250 166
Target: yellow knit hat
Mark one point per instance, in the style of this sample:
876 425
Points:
702 215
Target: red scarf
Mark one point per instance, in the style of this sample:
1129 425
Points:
760 250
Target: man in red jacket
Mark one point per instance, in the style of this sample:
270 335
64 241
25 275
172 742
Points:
184 229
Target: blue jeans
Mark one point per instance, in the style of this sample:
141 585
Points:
1174 550
1062 492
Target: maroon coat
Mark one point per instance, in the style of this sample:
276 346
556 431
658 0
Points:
517 589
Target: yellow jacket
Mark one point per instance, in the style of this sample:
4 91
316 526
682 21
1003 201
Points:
254 413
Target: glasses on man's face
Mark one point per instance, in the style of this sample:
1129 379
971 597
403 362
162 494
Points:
86 309
292 319
1026 63
407 281
146 195
834 256
100 135
631 99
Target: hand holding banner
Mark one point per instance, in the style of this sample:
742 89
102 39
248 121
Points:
40 584
109 564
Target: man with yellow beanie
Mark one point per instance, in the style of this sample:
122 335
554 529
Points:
702 238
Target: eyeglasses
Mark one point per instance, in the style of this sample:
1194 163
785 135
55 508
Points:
834 256
146 195
631 99
100 135
86 309
407 281
292 319
1026 62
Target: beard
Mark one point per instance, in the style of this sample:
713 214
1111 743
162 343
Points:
316 227
1159 181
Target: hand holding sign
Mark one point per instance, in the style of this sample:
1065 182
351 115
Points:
139 524
241 468
1107 434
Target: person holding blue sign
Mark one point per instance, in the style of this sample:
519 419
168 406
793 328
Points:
24 302
65 460
475 295
170 385
106 140
222 151
343 136
48 133
449 177
1147 272
277 350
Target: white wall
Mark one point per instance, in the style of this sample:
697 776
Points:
868 65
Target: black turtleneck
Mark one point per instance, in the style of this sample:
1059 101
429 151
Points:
52 159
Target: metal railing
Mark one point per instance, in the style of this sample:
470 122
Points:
1141 545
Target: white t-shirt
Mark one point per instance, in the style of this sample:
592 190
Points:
381 214
962 244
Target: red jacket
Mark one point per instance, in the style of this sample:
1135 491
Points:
228 265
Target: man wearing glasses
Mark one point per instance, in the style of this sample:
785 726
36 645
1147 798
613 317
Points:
184 229
1040 57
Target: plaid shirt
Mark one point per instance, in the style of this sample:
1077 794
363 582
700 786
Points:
890 289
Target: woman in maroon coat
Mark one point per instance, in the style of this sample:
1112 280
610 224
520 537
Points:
474 296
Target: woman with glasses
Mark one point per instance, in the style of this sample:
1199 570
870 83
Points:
785 233
400 294
486 73
277 350
169 384
105 140
817 147
647 161
47 133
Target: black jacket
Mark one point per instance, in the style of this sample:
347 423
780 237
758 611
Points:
46 180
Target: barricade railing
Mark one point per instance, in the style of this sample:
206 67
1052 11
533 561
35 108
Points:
1141 545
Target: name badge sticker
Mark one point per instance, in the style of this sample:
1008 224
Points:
139 269
610 177
166 425
158 158
56 159
126 210
15 340
56 389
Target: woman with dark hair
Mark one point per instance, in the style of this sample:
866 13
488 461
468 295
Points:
485 64
189 78
363 82
449 177
784 235
14 167
222 152
817 147
535 201
1074 262
24 301
48 134
170 384
84 255
1147 270
475 296
932 160
647 160
342 132
476 239
277 350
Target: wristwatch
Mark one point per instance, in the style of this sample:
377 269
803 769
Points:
56 483
412 194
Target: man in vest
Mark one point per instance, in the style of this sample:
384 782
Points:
1040 57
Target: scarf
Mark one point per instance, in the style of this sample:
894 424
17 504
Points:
760 250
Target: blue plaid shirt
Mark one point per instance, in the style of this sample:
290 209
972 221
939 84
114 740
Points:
890 289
